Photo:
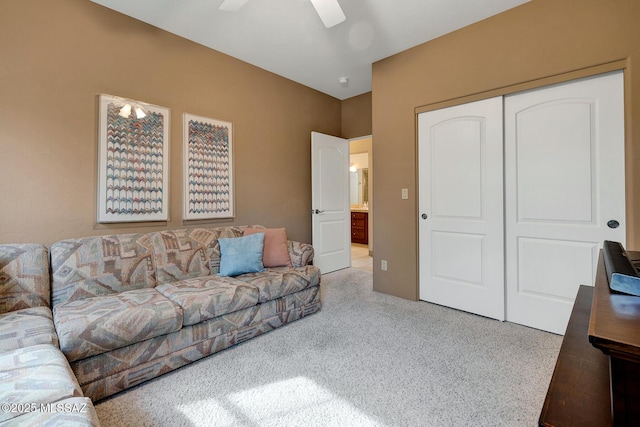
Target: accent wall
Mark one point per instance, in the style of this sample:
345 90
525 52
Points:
58 56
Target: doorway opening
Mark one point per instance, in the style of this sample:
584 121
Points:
360 201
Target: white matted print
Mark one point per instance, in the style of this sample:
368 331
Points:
208 168
133 161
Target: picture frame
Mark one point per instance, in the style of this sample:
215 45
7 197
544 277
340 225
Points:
133 161
208 188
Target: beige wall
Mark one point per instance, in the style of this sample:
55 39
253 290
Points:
356 116
361 145
537 40
57 56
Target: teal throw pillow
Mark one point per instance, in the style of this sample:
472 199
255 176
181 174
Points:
240 255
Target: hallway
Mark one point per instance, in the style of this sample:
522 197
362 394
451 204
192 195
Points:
360 257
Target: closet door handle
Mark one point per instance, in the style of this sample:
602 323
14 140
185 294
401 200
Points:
613 224
424 216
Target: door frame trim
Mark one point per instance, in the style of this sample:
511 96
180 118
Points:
621 64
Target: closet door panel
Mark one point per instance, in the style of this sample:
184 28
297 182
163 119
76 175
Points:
561 151
564 179
461 207
456 168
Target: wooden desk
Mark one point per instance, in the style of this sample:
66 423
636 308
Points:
614 328
578 394
599 361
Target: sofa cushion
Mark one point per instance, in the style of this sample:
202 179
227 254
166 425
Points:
97 266
277 282
95 325
240 255
35 374
71 412
24 276
111 372
188 253
26 327
204 298
276 249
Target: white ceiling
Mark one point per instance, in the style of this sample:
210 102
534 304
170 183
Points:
288 38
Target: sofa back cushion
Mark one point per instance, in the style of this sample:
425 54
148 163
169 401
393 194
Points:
24 276
103 265
188 253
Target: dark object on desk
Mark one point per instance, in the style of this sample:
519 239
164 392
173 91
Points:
621 273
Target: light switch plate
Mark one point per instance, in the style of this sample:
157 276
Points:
405 193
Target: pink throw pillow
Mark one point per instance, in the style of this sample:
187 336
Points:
276 251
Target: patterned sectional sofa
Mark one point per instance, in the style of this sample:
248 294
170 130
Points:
37 385
130 307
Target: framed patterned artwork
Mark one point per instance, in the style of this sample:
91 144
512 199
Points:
208 168
133 161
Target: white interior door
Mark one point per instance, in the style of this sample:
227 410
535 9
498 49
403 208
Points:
461 205
564 174
331 226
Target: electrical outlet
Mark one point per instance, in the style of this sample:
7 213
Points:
405 193
383 265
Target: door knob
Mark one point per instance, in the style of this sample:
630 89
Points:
317 211
424 216
613 223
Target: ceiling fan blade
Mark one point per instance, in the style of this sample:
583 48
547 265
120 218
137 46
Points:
232 5
329 11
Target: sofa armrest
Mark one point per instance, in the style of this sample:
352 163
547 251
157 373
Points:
301 253
24 276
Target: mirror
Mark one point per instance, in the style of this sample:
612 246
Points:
359 191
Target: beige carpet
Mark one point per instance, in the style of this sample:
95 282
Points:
366 359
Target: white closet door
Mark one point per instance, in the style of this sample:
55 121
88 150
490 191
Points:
564 181
461 205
